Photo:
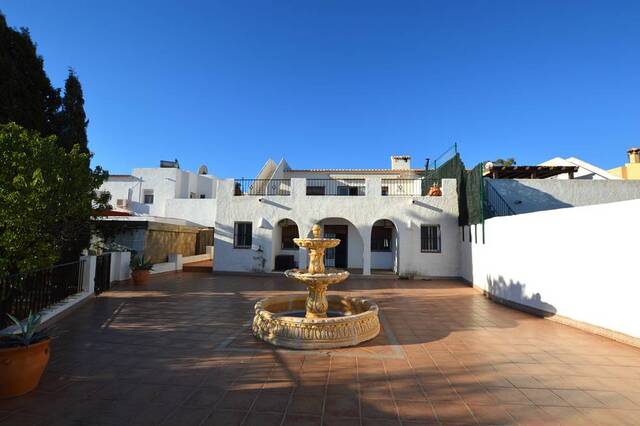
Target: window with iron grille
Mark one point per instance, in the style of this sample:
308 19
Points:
385 190
430 239
242 237
381 238
289 232
148 196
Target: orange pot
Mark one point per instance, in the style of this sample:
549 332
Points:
21 368
140 277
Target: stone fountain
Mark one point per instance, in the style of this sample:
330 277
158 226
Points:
316 321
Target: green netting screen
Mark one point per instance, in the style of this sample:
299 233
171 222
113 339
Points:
469 185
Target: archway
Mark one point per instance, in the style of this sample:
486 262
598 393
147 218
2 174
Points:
284 252
384 247
349 254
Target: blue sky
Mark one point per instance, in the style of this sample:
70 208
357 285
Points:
345 83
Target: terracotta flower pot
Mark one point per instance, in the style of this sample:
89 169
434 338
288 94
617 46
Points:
140 276
21 368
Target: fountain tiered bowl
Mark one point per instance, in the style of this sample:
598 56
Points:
316 321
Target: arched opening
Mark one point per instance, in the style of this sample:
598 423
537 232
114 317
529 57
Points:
384 247
285 252
349 254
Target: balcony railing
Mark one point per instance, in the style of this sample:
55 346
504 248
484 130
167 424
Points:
406 187
262 187
344 187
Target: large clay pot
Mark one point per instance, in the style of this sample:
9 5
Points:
21 368
140 276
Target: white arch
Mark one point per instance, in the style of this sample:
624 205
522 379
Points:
395 247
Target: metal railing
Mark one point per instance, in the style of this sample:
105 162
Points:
32 291
400 187
445 156
262 187
344 187
495 204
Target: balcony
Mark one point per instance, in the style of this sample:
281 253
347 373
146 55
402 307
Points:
346 187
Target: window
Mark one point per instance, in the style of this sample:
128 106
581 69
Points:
202 196
381 238
430 239
289 232
148 196
315 190
385 190
347 190
242 237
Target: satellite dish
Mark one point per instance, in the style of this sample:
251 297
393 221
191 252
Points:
202 170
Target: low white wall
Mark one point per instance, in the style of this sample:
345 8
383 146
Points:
581 263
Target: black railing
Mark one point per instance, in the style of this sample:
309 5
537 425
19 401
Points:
345 187
262 187
495 204
35 290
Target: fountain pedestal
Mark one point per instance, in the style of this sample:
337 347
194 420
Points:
328 321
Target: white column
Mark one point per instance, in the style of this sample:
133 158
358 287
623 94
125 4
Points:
176 259
365 233
88 273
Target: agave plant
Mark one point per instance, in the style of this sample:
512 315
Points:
138 263
27 327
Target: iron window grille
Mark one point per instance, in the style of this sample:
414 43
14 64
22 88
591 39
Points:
242 235
430 240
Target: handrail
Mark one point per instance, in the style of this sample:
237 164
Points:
498 206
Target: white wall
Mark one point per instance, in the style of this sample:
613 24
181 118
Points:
581 263
198 211
529 195
361 211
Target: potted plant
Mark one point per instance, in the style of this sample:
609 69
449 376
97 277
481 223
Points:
140 269
23 357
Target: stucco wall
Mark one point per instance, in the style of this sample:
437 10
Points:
581 263
529 195
198 211
407 214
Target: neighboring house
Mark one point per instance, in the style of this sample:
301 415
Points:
165 192
585 170
383 218
631 170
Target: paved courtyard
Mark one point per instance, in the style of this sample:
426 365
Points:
179 352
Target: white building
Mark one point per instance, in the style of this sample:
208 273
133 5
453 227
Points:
165 192
585 170
381 215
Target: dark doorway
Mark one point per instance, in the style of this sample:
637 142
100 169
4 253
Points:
337 257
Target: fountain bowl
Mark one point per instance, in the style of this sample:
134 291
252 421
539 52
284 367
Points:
280 320
328 277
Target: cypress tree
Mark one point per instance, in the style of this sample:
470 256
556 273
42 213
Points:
73 118
26 94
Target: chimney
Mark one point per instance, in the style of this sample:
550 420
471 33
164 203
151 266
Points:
634 155
400 162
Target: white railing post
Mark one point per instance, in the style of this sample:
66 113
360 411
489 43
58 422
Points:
176 259
88 273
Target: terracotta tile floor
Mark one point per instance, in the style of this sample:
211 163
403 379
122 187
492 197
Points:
180 352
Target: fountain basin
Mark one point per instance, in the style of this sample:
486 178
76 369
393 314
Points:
328 277
279 320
